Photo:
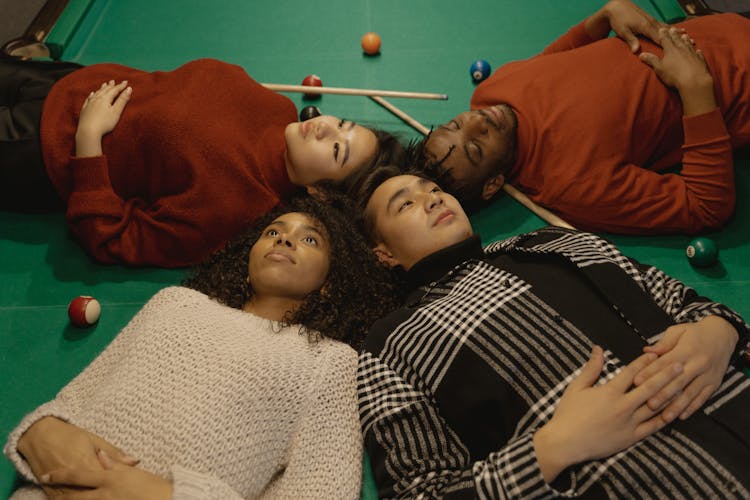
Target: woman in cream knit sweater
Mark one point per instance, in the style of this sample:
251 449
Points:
239 385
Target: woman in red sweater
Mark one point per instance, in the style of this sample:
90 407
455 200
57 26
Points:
162 168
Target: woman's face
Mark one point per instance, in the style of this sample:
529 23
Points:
327 148
290 259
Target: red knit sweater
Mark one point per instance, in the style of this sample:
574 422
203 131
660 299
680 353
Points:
197 155
596 125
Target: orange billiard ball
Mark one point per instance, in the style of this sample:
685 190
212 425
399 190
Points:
371 43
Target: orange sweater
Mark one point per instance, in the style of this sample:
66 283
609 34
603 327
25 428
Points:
196 156
596 126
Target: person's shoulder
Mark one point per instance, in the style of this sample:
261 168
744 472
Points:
384 327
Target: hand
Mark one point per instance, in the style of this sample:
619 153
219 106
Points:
121 482
704 349
627 20
594 422
683 68
52 444
99 115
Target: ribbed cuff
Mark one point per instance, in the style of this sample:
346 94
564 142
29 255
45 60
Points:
50 409
90 173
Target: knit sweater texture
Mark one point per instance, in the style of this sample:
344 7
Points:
197 155
596 129
222 402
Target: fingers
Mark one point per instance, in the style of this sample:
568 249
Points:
624 379
84 478
122 99
648 427
590 371
648 391
632 40
650 59
697 402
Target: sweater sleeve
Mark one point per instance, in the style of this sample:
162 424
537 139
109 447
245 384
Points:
414 453
324 459
575 37
630 199
133 231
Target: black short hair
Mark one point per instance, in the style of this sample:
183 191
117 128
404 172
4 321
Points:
469 194
358 288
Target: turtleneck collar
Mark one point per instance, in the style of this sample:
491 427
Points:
435 265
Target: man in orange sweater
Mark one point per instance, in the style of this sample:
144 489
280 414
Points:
161 168
587 127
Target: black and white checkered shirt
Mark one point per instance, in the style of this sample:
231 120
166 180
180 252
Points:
453 386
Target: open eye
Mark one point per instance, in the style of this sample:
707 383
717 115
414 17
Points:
272 232
310 240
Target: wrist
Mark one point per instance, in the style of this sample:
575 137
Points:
88 143
697 96
26 441
550 453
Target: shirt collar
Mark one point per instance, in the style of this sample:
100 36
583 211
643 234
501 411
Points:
435 265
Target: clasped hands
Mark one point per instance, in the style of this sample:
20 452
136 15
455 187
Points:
673 379
74 464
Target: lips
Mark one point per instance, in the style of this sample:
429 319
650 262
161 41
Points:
443 217
278 256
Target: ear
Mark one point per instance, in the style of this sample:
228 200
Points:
385 256
492 186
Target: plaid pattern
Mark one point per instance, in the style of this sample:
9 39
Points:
490 314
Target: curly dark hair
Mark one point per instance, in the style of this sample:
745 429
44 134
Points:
358 288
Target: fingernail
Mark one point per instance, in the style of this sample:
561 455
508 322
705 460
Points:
669 416
44 478
677 368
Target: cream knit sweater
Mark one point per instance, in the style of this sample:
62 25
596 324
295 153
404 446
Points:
220 401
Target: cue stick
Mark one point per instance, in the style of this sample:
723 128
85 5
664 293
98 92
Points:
280 87
514 193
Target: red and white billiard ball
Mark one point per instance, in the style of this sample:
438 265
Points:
312 81
84 311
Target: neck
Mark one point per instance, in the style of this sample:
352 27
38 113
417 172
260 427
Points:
273 308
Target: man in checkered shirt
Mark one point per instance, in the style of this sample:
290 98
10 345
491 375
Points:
490 381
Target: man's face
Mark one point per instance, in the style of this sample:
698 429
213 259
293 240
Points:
413 218
328 148
475 144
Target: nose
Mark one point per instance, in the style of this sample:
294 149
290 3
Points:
322 130
284 240
432 200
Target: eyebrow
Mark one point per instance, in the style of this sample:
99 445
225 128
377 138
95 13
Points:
346 145
306 227
422 181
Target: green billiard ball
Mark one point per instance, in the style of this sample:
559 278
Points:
702 252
